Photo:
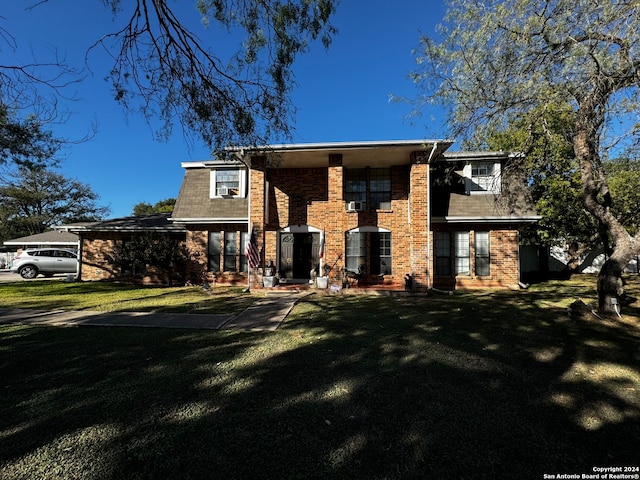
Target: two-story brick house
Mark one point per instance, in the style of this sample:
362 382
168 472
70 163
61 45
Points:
380 210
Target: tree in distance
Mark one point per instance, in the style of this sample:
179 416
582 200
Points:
161 206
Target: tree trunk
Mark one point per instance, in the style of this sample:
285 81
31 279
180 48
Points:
610 286
597 200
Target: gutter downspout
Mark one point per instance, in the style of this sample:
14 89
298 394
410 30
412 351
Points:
431 155
240 156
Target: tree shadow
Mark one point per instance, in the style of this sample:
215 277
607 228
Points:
500 385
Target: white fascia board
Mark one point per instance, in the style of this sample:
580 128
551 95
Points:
341 145
479 219
208 220
211 163
479 156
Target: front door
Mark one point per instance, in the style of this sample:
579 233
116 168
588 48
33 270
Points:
299 253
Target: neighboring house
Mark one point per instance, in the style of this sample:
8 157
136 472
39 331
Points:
99 239
52 238
373 209
591 262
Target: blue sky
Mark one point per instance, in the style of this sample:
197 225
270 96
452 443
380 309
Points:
342 93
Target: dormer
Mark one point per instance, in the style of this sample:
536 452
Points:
481 171
482 177
227 181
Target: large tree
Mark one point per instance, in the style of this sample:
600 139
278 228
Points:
223 70
499 60
25 142
32 200
549 165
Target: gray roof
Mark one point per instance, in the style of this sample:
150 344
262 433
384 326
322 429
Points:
159 222
513 204
194 203
487 207
51 238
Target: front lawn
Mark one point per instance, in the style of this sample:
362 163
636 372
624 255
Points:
498 384
111 297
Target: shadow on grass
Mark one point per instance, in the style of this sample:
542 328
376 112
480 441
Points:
110 296
496 385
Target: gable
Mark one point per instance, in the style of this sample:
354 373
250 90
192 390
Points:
197 203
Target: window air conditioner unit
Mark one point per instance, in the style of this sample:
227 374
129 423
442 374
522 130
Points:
354 206
222 191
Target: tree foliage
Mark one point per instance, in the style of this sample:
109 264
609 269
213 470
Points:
226 79
25 142
169 71
623 175
501 60
32 200
553 176
161 206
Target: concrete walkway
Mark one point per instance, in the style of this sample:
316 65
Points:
264 315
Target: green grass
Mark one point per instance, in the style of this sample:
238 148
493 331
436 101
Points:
496 384
108 296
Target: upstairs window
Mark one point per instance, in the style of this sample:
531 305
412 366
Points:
482 177
355 185
370 186
380 188
227 182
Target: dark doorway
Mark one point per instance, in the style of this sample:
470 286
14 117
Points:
299 253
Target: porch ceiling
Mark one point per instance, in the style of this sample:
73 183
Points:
354 154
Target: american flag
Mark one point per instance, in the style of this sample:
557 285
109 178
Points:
252 253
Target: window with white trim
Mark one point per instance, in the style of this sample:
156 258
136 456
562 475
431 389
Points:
483 177
228 182
224 252
462 252
368 252
482 254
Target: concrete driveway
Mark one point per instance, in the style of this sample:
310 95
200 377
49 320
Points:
6 277
264 315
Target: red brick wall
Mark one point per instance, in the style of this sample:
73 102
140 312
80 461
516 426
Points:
197 242
504 266
96 248
419 232
314 197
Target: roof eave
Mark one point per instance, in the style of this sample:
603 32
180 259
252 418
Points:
487 219
198 220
